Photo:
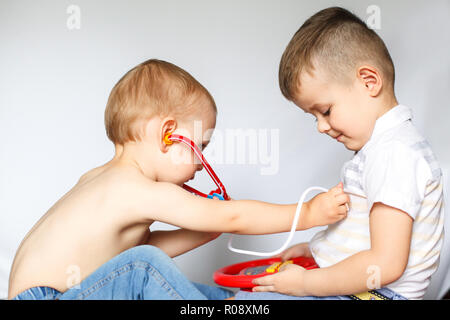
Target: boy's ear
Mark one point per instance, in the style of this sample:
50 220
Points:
371 79
168 125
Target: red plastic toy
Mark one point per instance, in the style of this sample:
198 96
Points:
220 192
240 275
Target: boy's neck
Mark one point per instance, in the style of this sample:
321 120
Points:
386 105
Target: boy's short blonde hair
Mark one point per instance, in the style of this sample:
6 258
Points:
337 40
154 87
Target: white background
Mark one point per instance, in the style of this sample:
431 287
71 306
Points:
54 83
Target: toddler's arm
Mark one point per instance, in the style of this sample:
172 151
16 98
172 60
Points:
171 204
383 263
176 242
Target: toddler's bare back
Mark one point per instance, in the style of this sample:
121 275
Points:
88 226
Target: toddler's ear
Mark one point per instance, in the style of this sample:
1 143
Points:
168 125
371 79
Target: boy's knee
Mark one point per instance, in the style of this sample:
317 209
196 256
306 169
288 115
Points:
147 253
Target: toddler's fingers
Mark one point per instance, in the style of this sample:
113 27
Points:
342 198
339 189
342 210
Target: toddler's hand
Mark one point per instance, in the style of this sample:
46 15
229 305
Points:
328 207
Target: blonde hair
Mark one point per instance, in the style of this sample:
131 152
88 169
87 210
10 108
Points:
154 87
337 40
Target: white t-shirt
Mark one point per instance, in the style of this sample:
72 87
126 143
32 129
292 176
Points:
398 168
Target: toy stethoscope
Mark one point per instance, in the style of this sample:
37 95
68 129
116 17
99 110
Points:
241 275
221 194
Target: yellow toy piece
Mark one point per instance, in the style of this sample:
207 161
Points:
277 265
273 267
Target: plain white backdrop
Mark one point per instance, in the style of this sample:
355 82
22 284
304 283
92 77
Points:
55 81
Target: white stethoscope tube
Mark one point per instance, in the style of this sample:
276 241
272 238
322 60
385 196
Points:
291 234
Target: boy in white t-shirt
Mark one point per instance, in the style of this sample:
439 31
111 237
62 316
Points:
339 70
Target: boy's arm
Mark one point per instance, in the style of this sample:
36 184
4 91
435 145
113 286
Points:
172 204
383 263
176 242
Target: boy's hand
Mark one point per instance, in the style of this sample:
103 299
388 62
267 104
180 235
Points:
298 250
327 207
289 280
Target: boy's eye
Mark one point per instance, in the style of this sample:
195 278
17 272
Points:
326 113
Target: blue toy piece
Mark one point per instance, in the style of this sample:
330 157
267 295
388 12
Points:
215 195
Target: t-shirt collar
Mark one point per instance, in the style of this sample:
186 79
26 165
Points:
394 117
391 119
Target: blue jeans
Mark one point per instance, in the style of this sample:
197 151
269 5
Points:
248 295
143 272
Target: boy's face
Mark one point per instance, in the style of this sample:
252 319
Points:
342 111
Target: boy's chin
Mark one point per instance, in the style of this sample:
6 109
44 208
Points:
351 149
351 146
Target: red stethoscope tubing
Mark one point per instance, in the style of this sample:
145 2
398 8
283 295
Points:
192 190
212 174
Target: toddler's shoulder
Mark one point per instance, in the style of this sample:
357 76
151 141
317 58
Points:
133 195
133 184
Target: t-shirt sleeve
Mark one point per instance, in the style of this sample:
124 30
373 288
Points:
396 175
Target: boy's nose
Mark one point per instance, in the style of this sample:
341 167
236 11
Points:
323 126
200 167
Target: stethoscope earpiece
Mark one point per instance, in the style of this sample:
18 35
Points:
166 139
